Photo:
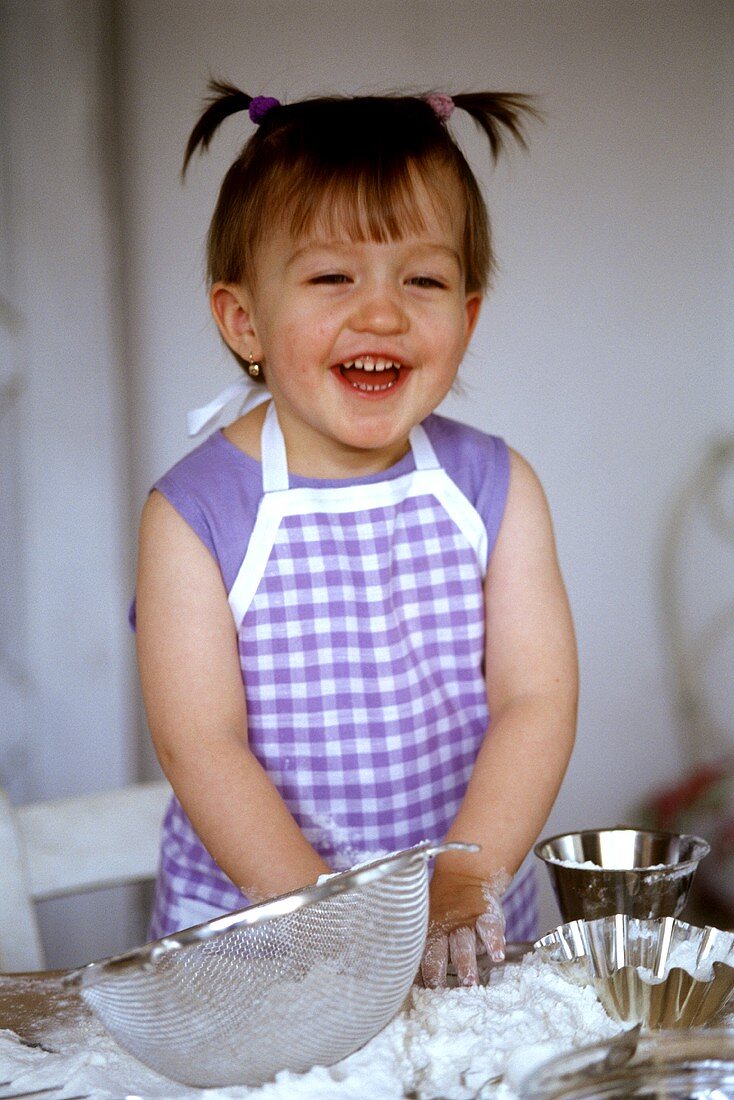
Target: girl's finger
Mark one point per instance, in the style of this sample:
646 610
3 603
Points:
463 952
491 931
435 960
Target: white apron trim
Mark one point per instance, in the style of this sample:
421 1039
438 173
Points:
275 459
279 501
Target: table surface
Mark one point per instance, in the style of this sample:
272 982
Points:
51 1016
34 1005
47 1014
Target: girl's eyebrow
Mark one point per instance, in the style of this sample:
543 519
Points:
343 246
312 246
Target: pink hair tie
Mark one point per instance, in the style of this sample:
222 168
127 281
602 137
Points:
259 107
441 104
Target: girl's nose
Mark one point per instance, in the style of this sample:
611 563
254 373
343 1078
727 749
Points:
379 310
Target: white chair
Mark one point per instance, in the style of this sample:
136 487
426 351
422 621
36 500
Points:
69 846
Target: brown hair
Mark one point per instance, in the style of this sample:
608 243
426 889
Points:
364 154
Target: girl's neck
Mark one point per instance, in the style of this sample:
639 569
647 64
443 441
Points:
336 462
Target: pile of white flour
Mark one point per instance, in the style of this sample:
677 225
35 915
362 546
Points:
444 1043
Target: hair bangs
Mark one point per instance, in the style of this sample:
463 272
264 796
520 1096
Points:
363 202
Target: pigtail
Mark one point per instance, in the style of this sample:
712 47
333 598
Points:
499 114
224 101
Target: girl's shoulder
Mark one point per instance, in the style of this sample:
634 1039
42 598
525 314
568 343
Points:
452 437
216 488
477 462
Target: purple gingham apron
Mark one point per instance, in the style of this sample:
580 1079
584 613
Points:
360 615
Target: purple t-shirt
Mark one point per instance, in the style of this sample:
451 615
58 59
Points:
217 488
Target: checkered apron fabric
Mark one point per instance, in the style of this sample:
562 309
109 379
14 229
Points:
361 641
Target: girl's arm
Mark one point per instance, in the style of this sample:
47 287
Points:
195 703
532 686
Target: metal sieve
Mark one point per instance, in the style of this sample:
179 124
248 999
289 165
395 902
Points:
303 979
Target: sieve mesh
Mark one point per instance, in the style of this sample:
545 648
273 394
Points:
294 989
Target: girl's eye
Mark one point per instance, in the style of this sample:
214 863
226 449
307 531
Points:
331 278
426 282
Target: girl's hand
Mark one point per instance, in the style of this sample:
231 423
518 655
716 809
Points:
466 916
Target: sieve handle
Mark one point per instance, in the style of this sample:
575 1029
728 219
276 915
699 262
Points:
429 850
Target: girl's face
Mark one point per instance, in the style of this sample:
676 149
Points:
359 340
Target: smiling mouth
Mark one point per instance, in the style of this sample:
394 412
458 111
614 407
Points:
371 375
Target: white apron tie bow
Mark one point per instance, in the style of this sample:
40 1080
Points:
198 420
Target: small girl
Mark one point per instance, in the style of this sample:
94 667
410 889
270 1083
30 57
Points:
353 634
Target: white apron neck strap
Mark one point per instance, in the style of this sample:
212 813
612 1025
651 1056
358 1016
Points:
275 460
423 453
198 420
273 454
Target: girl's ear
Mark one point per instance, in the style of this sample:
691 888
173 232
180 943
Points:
473 309
232 311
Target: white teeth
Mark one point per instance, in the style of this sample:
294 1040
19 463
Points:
377 365
372 366
372 389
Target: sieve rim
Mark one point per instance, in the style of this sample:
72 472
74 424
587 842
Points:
355 878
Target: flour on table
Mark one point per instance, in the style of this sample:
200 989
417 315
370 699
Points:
444 1043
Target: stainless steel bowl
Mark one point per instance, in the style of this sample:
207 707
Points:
599 872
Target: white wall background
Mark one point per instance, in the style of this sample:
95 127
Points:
604 353
67 712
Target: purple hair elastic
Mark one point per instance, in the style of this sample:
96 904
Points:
442 105
259 107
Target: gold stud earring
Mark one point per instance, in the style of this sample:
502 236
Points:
254 368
